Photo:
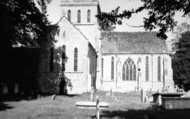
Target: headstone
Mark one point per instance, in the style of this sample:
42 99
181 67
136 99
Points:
53 97
16 90
97 108
142 95
5 89
92 94
187 94
91 104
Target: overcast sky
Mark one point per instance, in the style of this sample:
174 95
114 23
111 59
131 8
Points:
107 5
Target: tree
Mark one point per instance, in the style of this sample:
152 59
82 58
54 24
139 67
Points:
160 15
181 62
22 23
181 28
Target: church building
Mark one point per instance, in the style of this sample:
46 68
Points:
117 61
131 61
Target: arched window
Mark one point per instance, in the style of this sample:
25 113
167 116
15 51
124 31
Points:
63 57
69 15
147 68
78 16
75 59
159 68
102 67
88 16
129 70
112 68
51 66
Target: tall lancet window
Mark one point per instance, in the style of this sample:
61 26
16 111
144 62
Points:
102 67
147 68
159 68
129 70
76 59
112 68
88 16
69 15
51 66
63 57
78 16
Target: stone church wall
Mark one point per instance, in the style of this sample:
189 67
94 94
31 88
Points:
50 69
149 82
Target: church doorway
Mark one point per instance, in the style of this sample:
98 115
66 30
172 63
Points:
129 70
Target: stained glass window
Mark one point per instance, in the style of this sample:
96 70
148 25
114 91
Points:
129 70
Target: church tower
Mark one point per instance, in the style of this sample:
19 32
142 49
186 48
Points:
82 14
79 35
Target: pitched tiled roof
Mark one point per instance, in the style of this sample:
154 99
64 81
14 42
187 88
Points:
132 42
79 0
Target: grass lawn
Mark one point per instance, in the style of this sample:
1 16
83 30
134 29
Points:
122 106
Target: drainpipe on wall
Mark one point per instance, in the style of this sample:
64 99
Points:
138 76
101 69
138 73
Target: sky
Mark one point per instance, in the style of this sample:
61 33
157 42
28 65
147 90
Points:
54 13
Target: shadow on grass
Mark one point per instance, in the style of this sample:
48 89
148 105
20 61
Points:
70 95
17 97
4 106
146 114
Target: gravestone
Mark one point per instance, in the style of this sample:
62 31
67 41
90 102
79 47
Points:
92 102
92 94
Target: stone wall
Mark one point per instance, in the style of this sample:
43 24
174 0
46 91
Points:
30 71
51 68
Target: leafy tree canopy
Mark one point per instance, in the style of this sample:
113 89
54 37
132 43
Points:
181 62
160 15
22 23
180 29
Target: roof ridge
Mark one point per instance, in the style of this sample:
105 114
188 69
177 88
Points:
129 32
79 0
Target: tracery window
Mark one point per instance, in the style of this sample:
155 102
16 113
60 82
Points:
129 70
